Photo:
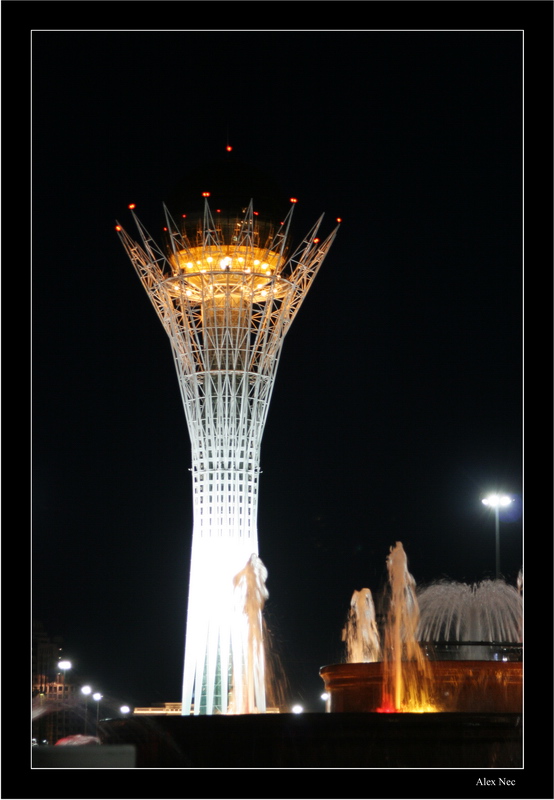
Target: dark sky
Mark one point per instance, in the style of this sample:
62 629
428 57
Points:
398 399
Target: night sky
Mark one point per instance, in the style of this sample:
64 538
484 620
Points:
398 399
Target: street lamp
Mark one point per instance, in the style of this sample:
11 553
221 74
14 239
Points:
496 502
86 690
97 696
63 666
124 709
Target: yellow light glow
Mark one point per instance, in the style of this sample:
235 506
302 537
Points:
422 708
244 272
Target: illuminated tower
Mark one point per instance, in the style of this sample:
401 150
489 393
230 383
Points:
226 286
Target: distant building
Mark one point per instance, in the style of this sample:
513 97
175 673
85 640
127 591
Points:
175 708
55 706
166 708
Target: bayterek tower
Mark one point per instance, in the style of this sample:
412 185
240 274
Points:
226 281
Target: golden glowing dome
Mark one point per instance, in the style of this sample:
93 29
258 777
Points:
251 273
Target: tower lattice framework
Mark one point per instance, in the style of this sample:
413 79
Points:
226 290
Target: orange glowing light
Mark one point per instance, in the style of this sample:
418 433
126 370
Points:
205 194
165 228
386 710
316 241
339 219
118 227
228 148
293 200
183 215
387 706
131 206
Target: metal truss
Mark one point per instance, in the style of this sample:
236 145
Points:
226 292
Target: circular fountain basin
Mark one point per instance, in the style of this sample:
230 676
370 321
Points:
454 686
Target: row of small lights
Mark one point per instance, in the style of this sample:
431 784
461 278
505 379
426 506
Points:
132 207
225 262
87 690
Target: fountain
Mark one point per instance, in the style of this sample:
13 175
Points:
481 626
406 672
478 615
360 632
451 667
247 639
401 680
445 707
425 634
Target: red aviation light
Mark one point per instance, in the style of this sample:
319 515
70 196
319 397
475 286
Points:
183 216
316 241
255 213
205 194
339 219
293 200
118 227
131 206
228 148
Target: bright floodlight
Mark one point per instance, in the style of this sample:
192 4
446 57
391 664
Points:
97 696
497 500
124 709
64 665
226 287
86 689
297 709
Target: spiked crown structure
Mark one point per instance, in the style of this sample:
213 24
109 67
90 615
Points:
226 290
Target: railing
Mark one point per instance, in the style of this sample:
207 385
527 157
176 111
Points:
473 650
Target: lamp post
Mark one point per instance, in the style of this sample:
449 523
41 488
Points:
496 502
97 696
86 690
63 666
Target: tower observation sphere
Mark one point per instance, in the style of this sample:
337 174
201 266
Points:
226 284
